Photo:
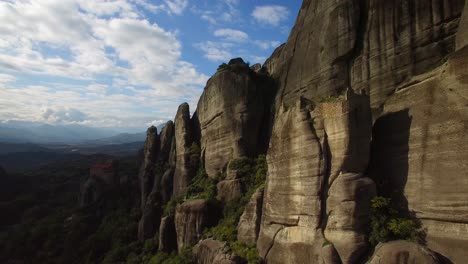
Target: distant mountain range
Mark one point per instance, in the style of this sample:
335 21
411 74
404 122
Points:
35 132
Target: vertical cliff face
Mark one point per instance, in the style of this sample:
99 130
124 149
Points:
184 138
232 111
370 99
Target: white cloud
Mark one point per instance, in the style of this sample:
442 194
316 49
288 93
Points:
63 115
176 6
270 14
6 78
98 40
267 44
231 34
215 51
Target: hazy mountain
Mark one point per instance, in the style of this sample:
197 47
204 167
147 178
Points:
119 139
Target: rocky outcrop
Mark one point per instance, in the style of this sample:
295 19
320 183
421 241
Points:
249 222
210 251
151 216
191 218
329 254
167 235
422 130
103 177
402 39
292 202
402 252
166 137
184 138
231 113
315 187
228 190
150 155
314 61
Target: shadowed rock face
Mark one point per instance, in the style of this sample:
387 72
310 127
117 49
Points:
402 39
423 132
190 219
249 222
232 110
403 252
184 137
150 156
167 235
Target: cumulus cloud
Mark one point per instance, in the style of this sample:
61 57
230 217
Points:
63 115
270 14
215 51
231 34
84 42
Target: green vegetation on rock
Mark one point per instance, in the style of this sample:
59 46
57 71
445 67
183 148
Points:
387 223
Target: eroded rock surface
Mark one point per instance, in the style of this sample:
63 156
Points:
402 252
210 251
191 218
184 137
150 156
423 132
231 112
249 222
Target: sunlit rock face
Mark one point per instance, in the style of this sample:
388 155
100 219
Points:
232 112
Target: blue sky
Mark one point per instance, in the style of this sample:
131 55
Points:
125 63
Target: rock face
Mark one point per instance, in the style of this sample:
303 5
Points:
402 39
249 222
210 251
150 155
231 113
421 130
315 187
190 219
184 137
402 252
314 60
167 235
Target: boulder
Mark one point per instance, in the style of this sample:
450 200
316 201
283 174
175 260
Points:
228 190
167 235
184 137
402 252
210 251
249 222
191 218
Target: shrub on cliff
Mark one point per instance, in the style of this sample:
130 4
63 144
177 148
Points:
387 223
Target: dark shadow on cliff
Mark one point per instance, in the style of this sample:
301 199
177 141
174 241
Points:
389 156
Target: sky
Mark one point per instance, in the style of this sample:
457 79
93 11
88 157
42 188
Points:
125 63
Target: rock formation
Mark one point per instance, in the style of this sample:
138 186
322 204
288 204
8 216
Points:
403 252
190 219
184 137
365 98
167 235
249 223
210 251
231 113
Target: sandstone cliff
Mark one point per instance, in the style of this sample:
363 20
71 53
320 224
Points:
366 98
